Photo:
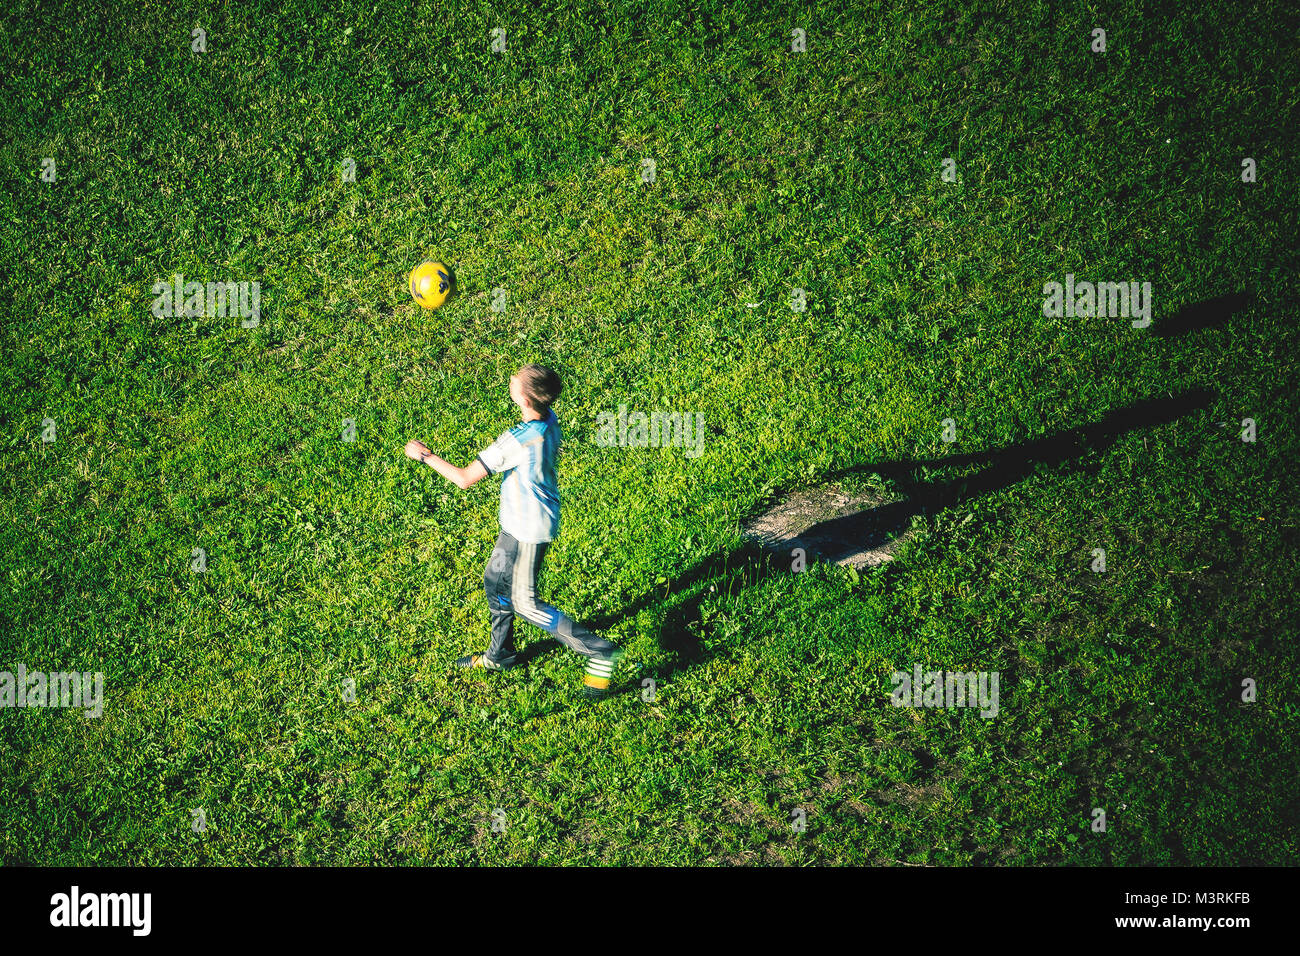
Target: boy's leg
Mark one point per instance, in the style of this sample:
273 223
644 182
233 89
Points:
497 582
523 596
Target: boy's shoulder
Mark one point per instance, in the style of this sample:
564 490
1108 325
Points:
531 431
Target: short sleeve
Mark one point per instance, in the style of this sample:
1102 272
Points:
503 454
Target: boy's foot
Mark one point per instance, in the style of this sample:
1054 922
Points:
480 660
595 679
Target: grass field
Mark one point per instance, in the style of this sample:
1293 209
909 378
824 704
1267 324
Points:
334 565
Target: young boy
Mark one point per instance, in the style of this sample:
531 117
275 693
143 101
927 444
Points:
530 521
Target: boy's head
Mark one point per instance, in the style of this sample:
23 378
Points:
535 386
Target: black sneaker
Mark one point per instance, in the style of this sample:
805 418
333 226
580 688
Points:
480 660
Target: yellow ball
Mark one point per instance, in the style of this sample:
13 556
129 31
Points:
432 284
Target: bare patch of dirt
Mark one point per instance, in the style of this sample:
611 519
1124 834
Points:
859 809
772 856
859 530
741 858
742 812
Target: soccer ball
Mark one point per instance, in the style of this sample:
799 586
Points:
432 284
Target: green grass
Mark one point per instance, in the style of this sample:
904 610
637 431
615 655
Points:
330 560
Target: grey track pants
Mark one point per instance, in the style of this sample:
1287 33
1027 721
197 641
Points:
511 585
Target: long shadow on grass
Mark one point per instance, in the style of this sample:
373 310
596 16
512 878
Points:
1210 314
731 570
741 567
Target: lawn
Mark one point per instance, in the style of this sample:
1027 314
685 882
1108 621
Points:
835 255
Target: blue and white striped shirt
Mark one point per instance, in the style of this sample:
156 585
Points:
530 496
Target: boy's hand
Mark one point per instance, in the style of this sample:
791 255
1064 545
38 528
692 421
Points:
416 449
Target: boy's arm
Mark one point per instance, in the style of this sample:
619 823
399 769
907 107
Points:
462 478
